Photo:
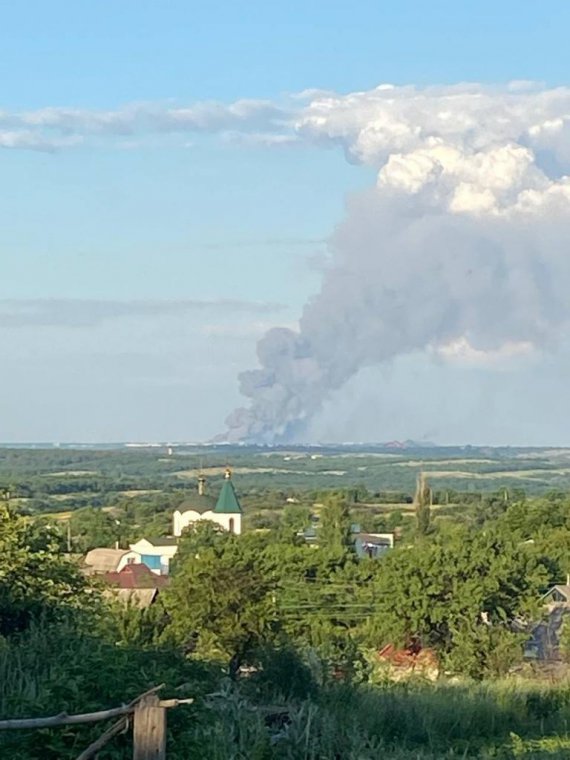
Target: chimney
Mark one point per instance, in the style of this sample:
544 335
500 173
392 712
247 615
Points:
201 485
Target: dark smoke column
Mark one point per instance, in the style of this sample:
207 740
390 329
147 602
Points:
284 392
407 275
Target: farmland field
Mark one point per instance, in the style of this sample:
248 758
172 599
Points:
374 466
54 479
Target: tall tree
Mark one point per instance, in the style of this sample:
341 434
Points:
220 603
422 504
335 531
296 517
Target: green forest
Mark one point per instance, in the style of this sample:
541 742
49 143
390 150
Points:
277 641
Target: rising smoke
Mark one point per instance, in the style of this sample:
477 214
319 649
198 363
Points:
465 238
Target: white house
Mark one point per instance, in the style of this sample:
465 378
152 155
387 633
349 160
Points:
224 511
156 553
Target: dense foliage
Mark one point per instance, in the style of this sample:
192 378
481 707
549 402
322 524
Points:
274 637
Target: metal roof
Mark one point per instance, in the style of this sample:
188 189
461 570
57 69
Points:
227 500
104 560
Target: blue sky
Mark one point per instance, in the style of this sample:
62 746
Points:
208 217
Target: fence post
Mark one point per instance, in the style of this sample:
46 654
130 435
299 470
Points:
149 731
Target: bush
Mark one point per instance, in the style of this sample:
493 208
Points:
281 674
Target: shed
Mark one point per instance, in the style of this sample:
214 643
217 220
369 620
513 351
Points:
557 595
109 560
544 642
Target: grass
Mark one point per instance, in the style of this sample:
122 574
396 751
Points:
402 722
46 671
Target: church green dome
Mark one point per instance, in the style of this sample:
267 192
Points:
227 500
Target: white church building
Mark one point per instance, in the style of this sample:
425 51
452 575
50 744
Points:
225 510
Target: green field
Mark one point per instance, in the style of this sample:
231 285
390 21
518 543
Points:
60 479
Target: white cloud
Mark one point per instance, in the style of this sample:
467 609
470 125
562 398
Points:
374 123
29 140
472 148
53 127
372 126
61 312
262 139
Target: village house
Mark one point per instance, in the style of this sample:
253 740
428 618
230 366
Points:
544 644
156 553
134 584
373 545
99 561
558 596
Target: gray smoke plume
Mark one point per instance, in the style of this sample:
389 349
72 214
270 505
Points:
465 239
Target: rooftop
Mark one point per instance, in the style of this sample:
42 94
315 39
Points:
104 560
198 502
137 575
227 500
161 540
559 590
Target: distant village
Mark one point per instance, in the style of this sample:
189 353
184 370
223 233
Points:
138 574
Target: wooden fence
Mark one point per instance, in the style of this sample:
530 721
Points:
148 714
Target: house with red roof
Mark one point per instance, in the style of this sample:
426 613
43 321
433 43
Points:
135 584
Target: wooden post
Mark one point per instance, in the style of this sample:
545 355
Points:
149 731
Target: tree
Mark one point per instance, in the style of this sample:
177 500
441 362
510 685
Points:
91 528
358 495
422 504
461 595
36 579
296 517
196 539
220 603
395 519
335 531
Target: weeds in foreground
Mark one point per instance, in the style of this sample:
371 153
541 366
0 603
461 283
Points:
46 671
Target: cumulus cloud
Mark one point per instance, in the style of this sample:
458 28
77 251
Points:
90 312
374 124
461 249
371 126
